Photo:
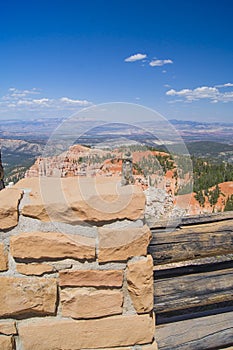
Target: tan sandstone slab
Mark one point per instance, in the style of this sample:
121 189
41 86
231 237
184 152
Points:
115 331
143 347
122 244
23 296
152 346
140 284
8 328
82 303
34 269
76 199
91 278
52 245
9 201
3 258
118 348
6 342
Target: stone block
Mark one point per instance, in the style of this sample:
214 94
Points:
8 328
74 200
91 278
119 348
83 303
9 201
3 258
52 245
115 331
152 346
122 244
140 284
6 342
34 269
21 297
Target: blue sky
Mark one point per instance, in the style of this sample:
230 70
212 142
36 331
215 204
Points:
172 56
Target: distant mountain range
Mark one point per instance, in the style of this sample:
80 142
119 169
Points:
192 131
197 123
206 149
39 130
24 140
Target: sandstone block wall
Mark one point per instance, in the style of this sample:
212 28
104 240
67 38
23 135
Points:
73 286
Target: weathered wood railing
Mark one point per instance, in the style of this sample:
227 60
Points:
193 283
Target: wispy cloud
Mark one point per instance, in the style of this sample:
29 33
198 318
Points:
24 100
160 63
146 60
211 93
69 101
14 93
224 85
136 57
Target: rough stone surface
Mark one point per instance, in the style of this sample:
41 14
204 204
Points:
79 303
107 332
23 296
6 342
91 278
140 284
160 206
119 348
152 346
3 258
7 328
34 269
72 200
122 244
9 201
52 245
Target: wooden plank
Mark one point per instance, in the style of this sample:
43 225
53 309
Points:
194 263
192 242
195 290
198 219
190 220
211 332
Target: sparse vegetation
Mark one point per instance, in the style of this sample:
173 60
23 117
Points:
207 175
229 203
16 166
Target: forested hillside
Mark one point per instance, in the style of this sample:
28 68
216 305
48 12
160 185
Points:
207 177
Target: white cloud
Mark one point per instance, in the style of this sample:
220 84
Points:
136 57
12 105
159 63
41 101
24 103
13 92
81 103
34 103
22 100
211 93
153 62
224 85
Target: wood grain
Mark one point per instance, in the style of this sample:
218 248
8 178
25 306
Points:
211 332
190 220
199 289
192 242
